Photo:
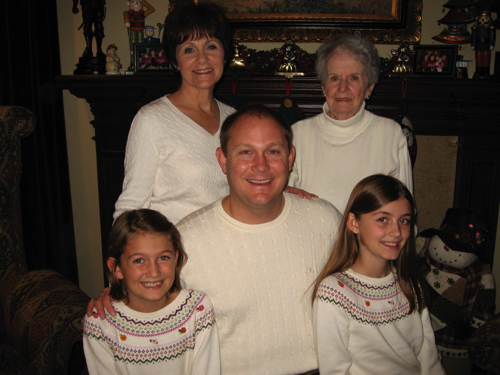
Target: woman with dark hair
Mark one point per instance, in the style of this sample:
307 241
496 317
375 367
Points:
170 163
346 143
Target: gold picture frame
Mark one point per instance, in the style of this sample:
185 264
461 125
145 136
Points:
401 22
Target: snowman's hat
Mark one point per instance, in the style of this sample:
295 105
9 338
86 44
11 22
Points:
461 230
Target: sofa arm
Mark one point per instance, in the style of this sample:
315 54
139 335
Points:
43 317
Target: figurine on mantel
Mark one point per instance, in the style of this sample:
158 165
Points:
93 14
113 64
149 33
134 21
482 42
402 60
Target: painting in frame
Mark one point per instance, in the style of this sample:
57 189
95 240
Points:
381 21
150 58
435 60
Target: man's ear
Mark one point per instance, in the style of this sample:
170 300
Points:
114 268
352 223
291 158
221 158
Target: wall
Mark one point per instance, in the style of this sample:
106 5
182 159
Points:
81 147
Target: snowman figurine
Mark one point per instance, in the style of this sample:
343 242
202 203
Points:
461 285
113 64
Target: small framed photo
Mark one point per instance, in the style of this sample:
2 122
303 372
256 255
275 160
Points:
150 58
435 60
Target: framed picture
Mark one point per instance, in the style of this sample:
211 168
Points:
381 21
150 58
435 60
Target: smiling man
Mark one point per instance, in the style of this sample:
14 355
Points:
257 251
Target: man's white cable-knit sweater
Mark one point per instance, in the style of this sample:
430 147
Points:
170 162
259 278
333 156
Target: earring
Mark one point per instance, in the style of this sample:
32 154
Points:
324 94
367 97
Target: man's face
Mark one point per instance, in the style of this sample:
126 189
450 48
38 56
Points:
257 163
149 32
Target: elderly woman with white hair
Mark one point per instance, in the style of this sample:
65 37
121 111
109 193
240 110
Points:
339 147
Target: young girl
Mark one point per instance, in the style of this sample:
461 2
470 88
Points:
370 314
159 328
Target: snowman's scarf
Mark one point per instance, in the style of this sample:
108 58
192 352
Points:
472 274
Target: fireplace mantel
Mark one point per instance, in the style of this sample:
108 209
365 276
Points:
469 109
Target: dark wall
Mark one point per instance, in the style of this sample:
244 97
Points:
29 62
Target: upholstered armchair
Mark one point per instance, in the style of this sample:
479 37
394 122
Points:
40 311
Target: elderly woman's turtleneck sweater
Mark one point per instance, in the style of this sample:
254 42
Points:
334 155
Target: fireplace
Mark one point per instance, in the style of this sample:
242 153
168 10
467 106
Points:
457 123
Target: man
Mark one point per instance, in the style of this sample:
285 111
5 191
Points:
257 251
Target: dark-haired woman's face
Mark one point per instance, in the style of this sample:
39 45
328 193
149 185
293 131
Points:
200 62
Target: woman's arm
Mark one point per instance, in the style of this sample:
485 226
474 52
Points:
141 165
405 171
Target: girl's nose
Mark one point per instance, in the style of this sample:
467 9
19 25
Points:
154 269
395 230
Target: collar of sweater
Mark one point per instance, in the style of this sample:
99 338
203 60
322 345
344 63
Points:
351 127
258 228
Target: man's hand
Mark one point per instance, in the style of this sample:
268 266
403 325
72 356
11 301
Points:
102 302
301 193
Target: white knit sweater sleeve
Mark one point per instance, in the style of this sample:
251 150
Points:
206 359
331 336
98 353
141 164
429 356
405 173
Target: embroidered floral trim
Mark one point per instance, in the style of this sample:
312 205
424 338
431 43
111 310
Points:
167 345
368 304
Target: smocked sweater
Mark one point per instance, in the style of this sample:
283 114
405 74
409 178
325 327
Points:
259 279
181 338
333 156
170 162
363 326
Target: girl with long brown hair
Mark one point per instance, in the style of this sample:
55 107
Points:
370 314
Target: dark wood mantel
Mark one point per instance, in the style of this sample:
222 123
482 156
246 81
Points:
469 109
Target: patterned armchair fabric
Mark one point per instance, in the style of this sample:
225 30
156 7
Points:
40 311
484 346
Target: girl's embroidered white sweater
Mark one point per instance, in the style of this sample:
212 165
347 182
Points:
181 338
363 326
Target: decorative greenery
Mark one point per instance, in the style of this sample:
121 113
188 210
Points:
266 63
